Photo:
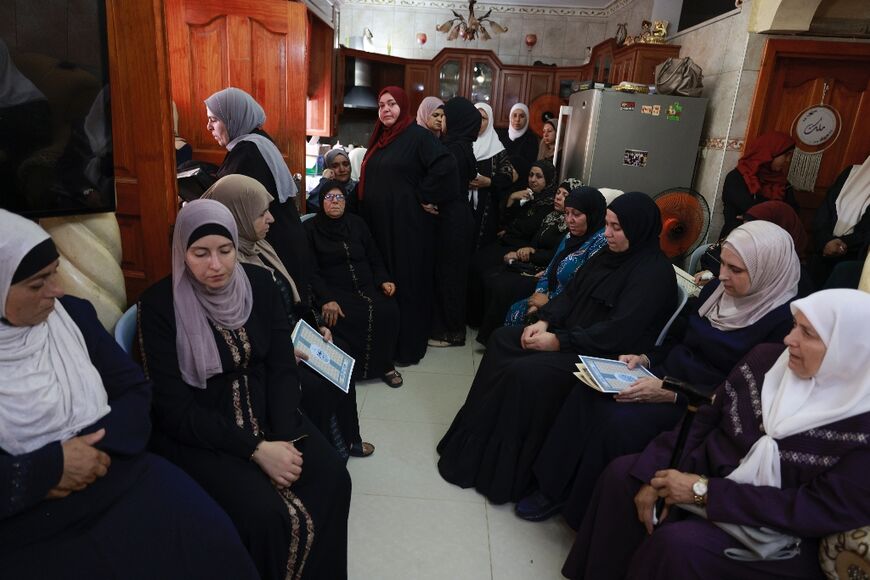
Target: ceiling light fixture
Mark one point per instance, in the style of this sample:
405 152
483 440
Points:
469 28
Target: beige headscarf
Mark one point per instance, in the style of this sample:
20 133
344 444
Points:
774 271
854 199
247 199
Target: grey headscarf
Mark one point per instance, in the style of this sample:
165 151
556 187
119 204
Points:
195 305
241 114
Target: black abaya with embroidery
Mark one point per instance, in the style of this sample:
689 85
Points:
350 271
211 433
409 171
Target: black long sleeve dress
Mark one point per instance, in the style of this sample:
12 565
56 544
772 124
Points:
211 433
144 519
737 198
526 146
610 307
490 200
350 271
409 171
286 234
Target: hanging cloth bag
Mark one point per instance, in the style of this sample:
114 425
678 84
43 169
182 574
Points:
679 76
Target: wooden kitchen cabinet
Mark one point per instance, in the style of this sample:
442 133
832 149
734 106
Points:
319 118
512 89
637 63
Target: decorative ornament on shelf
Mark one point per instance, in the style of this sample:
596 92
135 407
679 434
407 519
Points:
470 27
531 41
621 33
422 38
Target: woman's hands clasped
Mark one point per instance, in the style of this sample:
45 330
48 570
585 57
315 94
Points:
675 487
280 460
82 464
537 337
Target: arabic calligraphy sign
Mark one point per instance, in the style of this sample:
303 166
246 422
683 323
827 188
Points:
816 125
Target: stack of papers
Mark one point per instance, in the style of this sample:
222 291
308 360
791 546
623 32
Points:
608 376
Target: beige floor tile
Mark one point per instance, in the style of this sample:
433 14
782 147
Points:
425 397
522 550
404 463
403 539
454 360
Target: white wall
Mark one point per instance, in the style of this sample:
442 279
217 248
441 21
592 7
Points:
563 34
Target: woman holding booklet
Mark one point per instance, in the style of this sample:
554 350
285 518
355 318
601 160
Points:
332 411
216 343
778 461
746 306
617 303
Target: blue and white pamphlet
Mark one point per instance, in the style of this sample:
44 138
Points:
607 375
325 358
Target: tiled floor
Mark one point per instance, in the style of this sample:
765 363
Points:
408 523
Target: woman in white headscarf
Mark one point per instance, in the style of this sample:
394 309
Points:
235 120
494 178
74 425
778 461
215 340
841 226
518 140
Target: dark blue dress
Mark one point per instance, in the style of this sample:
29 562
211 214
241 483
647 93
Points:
145 519
592 429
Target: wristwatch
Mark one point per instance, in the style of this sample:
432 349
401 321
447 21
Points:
699 489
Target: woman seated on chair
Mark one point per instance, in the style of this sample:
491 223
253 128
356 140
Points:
353 288
331 410
525 215
778 461
337 163
748 305
619 303
215 340
584 217
80 496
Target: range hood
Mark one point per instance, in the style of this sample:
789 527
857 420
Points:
360 94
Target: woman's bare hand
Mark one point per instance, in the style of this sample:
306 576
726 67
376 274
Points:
525 253
331 312
645 390
538 300
645 502
481 181
280 460
430 208
388 288
82 464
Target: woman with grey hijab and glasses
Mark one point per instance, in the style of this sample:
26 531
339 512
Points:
215 341
338 168
236 120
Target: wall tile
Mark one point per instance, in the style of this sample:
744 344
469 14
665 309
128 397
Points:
754 49
743 104
735 47
706 46
404 31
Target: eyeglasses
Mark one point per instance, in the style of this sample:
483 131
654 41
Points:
334 197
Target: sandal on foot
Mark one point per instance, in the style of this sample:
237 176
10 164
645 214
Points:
393 379
363 449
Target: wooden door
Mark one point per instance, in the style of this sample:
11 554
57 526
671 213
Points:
512 89
540 83
321 72
144 154
623 65
258 47
797 74
418 84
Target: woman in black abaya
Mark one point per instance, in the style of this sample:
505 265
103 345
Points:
621 299
403 174
454 234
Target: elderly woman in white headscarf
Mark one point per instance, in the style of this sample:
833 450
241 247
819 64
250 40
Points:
74 425
235 120
778 461
494 177
518 140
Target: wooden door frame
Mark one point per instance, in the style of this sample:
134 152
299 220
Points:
779 48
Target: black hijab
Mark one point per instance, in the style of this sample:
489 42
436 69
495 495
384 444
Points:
463 125
522 167
336 229
640 219
591 202
546 195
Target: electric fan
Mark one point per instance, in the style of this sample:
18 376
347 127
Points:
543 108
685 221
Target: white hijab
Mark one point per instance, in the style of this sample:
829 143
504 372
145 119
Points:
513 133
49 389
853 199
488 144
241 114
15 88
839 390
774 272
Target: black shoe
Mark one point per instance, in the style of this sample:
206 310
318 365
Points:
537 507
361 449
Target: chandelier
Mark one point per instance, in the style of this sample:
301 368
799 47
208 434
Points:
469 28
